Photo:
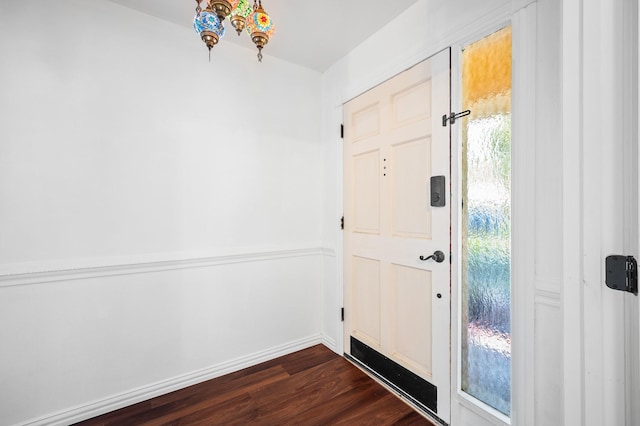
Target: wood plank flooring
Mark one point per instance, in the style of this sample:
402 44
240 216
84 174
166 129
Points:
310 387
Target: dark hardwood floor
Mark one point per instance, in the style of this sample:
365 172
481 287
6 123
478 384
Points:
310 387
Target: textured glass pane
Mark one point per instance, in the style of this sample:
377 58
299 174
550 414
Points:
486 222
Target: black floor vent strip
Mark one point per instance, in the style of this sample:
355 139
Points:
408 382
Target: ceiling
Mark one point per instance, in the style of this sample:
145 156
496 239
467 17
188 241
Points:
311 33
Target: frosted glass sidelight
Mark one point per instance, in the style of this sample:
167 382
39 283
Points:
486 221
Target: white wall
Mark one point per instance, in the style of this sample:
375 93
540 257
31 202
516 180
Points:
160 215
157 230
117 127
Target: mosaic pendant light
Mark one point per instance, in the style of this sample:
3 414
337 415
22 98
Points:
260 27
239 15
208 25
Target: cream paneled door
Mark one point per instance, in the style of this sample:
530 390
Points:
397 307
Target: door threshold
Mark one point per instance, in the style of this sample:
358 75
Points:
411 401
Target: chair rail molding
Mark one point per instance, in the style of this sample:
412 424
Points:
51 272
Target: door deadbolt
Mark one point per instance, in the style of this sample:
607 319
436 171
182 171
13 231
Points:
438 191
437 255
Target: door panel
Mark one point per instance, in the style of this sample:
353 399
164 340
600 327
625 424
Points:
366 291
409 105
366 122
397 307
411 173
366 171
411 296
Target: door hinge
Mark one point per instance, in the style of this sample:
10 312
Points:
453 117
342 314
342 131
622 273
342 223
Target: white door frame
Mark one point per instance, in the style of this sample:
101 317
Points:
523 23
600 180
522 16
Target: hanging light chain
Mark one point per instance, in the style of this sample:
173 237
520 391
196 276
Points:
198 8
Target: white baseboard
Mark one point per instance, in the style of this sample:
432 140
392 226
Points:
115 402
330 343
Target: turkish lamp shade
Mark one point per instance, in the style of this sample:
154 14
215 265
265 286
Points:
239 15
260 27
208 25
